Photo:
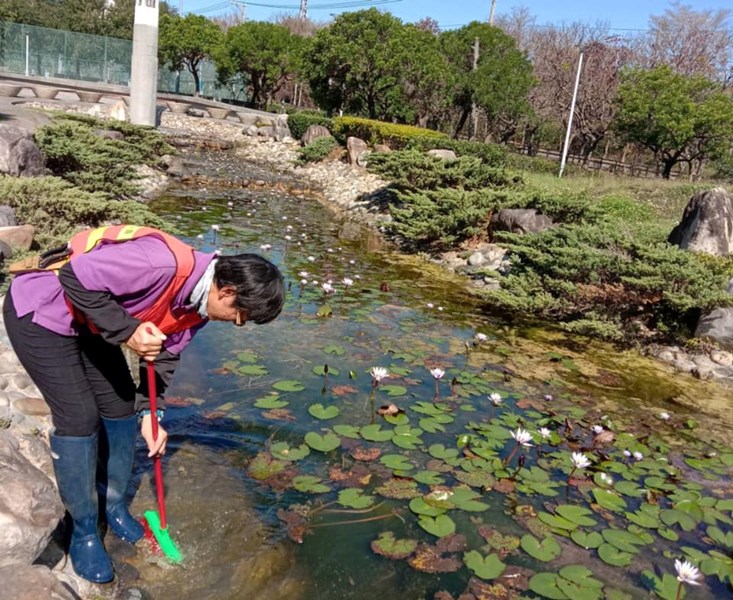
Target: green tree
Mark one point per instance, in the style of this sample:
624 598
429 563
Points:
500 82
679 118
264 54
186 41
354 65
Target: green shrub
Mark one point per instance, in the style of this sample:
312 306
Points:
299 122
377 132
537 164
317 150
413 170
440 219
57 209
570 273
491 154
96 164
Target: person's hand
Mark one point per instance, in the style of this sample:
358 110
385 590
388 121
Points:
157 447
147 341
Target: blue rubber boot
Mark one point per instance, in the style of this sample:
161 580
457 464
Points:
116 455
75 465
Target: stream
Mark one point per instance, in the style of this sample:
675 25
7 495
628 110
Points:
293 473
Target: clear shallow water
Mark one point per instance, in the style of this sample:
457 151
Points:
226 418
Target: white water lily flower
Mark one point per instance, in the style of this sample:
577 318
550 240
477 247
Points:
303 274
548 397
265 247
438 373
580 460
545 433
200 236
303 282
378 373
311 259
495 399
687 572
665 416
597 429
352 262
523 437
230 204
481 337
430 305
328 288
638 456
215 227
288 238
441 309
627 453
347 282
606 478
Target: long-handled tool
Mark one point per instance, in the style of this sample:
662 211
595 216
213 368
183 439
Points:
157 525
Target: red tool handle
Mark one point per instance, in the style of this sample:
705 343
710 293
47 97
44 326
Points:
160 492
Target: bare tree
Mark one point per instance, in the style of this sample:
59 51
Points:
691 42
428 24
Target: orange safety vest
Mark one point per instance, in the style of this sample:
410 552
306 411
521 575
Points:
160 312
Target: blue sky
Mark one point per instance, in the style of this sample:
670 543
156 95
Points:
620 14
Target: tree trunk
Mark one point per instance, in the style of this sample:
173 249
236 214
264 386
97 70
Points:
667 166
462 121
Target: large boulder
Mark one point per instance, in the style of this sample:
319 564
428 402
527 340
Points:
520 220
32 582
443 153
7 216
717 325
30 507
19 155
707 224
358 150
19 236
313 133
282 129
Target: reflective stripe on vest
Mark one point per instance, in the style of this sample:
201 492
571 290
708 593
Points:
160 311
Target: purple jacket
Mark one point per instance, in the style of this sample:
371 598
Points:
131 274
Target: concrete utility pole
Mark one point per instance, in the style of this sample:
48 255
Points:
474 108
491 14
570 119
303 10
144 74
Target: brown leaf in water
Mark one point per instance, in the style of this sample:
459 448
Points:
221 371
295 524
455 542
279 414
605 438
516 578
504 486
483 590
429 559
365 454
527 403
358 476
435 464
214 414
399 488
342 390
177 401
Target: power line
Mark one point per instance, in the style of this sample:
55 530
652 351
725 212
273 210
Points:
328 6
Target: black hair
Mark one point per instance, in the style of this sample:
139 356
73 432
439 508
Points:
258 282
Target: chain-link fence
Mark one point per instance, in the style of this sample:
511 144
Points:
39 51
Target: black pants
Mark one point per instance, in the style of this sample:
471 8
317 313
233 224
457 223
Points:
82 378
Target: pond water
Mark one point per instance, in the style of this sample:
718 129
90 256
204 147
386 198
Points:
284 481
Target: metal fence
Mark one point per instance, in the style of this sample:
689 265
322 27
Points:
39 51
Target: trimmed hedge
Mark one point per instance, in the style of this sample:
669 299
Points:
299 122
377 132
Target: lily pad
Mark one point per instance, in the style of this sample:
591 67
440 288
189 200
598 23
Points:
486 567
609 500
310 484
585 540
613 556
545 550
283 451
374 433
545 584
420 507
324 412
396 462
253 370
557 522
623 540
271 402
394 390
355 498
321 370
322 443
288 385
576 514
440 526
334 349
387 545
428 477
347 431
440 451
